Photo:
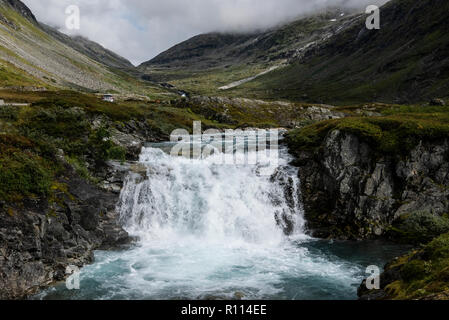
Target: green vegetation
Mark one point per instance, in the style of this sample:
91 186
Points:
30 137
396 132
91 105
419 227
207 82
33 136
12 76
23 172
423 273
355 67
243 113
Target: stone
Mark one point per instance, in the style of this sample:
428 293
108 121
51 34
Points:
349 192
35 248
437 102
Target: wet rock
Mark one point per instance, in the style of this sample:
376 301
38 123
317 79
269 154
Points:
351 192
40 239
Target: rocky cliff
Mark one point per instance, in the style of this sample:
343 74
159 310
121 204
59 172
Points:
59 186
384 176
39 239
350 191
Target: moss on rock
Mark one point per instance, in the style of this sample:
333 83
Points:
422 274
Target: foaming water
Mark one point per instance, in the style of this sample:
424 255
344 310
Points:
208 230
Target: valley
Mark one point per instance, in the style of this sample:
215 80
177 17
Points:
362 177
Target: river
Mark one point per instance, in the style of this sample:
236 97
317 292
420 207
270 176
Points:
209 229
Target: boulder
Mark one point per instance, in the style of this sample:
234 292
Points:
437 102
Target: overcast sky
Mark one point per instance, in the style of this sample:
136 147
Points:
141 29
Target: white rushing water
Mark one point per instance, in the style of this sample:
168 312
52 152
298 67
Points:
213 229
210 230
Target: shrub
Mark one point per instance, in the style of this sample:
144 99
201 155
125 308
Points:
438 248
414 270
22 172
103 149
420 227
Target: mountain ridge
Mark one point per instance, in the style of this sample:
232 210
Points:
33 54
408 68
324 58
90 48
276 43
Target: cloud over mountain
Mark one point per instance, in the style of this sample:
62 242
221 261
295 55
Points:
140 29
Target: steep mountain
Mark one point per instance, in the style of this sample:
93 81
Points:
206 62
89 48
405 61
19 7
35 55
208 50
221 49
325 58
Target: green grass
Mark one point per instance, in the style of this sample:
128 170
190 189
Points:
396 132
60 120
23 172
238 113
90 104
419 227
207 82
13 76
423 272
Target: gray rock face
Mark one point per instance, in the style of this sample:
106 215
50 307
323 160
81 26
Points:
350 192
20 7
38 241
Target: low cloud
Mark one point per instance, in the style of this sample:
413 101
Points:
141 29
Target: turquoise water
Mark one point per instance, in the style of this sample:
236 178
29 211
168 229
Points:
211 230
316 270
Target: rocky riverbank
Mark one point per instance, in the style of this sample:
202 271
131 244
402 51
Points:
382 177
40 238
59 186
351 192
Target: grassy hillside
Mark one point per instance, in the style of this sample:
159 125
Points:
395 132
33 55
405 61
78 127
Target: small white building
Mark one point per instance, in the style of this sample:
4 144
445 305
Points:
108 98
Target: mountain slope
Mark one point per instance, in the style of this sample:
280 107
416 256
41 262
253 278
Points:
407 60
220 49
325 58
36 55
207 62
201 51
91 49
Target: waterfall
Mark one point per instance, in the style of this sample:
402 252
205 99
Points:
210 229
177 197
